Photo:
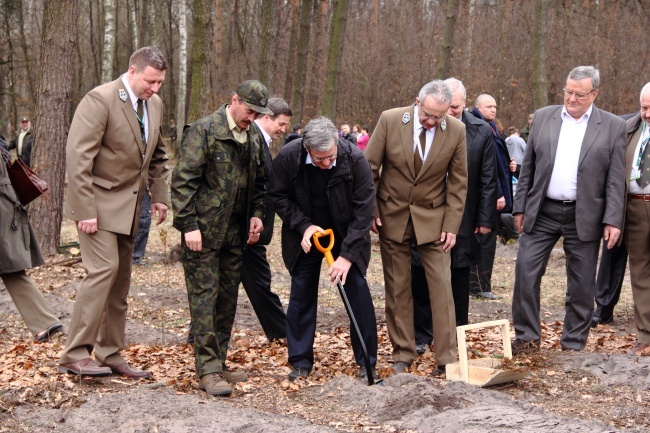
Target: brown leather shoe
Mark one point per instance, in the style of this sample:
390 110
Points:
640 350
127 371
232 376
84 367
44 336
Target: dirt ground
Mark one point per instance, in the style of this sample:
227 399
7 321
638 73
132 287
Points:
599 390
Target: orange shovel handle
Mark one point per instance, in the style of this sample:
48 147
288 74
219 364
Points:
327 251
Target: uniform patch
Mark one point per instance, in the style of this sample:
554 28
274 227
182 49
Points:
122 94
406 118
443 124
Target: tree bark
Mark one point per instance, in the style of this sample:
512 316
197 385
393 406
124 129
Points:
52 119
266 39
201 57
301 59
540 82
334 56
182 68
448 41
294 21
108 50
134 23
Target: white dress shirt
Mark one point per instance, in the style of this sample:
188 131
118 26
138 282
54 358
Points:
134 102
564 180
634 186
417 130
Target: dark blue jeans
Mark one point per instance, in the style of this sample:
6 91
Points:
301 313
142 236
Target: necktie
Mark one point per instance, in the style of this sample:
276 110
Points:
417 159
644 165
140 113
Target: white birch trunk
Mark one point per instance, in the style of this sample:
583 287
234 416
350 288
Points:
108 52
182 66
134 23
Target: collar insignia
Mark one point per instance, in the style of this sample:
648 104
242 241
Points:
443 124
406 118
123 95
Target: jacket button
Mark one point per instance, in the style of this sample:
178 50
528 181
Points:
135 192
415 184
411 203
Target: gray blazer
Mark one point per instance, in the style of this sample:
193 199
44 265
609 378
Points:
600 193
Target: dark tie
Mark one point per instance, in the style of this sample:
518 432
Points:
417 159
140 112
644 165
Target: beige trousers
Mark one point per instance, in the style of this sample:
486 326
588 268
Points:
637 241
30 302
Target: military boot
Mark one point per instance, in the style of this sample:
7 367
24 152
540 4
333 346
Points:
214 384
234 376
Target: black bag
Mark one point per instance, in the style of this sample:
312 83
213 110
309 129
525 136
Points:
27 184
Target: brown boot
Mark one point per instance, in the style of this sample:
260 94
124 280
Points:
214 384
234 376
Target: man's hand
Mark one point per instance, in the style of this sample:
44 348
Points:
193 240
501 203
306 238
449 239
254 229
88 226
611 235
513 166
519 222
339 269
161 209
482 230
375 224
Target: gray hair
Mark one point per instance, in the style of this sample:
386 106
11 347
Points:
438 89
456 86
582 72
319 134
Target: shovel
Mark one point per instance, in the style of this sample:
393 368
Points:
327 251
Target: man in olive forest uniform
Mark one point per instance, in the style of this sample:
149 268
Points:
218 189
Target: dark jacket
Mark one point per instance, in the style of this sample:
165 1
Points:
351 138
350 193
289 138
504 186
269 213
26 153
19 249
480 205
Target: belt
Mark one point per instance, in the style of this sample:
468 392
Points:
644 197
562 202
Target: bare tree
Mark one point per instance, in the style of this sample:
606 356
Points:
108 50
201 57
301 58
266 42
448 41
52 118
334 55
540 83
182 66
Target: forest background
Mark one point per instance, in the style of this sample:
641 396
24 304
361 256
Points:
346 59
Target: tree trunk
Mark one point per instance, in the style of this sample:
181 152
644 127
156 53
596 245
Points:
448 41
469 41
266 42
108 51
294 21
31 80
301 59
201 56
540 82
182 68
52 118
311 98
134 24
152 23
334 56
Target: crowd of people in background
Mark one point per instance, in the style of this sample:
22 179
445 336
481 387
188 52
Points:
438 181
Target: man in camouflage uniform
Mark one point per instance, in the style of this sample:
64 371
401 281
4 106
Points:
218 189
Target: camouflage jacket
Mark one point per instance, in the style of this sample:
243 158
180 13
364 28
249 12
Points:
203 191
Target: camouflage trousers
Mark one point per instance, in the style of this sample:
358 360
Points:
212 278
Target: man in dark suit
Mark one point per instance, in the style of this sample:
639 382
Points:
114 149
256 272
23 141
637 228
479 217
572 185
419 163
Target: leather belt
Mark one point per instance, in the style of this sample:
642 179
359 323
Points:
562 202
644 197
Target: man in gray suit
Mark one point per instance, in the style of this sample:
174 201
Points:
572 184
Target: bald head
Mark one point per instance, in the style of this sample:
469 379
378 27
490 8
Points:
487 106
645 104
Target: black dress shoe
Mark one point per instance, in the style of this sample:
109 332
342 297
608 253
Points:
440 372
597 320
44 336
297 372
521 347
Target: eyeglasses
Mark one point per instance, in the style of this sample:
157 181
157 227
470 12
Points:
426 116
330 158
577 95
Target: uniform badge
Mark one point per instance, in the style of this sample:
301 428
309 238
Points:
406 118
122 94
443 124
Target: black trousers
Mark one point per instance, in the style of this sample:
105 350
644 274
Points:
256 279
481 273
609 280
421 306
301 313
